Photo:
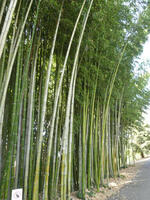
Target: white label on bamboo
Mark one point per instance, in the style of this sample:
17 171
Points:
16 194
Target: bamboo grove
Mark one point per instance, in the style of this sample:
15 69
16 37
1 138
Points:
69 98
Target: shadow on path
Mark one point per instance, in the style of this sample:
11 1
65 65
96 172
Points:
139 188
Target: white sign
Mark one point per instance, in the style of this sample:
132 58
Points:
16 194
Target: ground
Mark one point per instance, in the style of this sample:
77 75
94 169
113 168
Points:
116 191
139 188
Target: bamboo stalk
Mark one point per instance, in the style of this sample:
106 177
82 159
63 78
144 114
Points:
2 10
9 70
57 98
7 23
29 124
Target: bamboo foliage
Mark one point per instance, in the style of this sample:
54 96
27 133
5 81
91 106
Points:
68 96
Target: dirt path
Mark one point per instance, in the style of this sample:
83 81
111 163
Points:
115 184
139 188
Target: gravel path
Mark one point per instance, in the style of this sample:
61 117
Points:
139 189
